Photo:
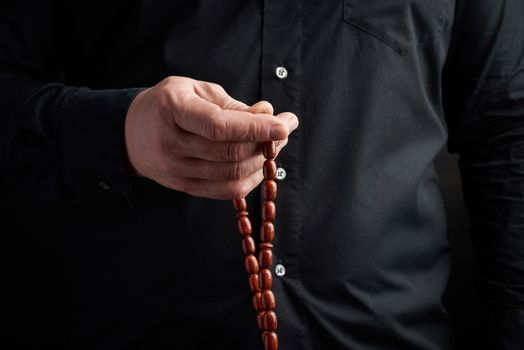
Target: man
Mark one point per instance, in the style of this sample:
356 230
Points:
114 234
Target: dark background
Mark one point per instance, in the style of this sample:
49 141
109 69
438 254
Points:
461 298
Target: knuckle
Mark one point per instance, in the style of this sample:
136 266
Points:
233 152
236 171
171 92
254 131
215 88
167 85
174 80
166 100
234 104
216 128
169 80
188 186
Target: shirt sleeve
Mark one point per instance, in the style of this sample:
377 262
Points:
483 90
56 141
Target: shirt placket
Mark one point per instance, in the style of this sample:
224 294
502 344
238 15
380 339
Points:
280 82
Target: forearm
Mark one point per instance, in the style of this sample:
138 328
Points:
61 141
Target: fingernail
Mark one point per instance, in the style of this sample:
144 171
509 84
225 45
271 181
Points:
278 132
261 107
291 120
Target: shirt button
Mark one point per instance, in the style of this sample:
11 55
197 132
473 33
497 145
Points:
281 174
280 270
281 73
104 185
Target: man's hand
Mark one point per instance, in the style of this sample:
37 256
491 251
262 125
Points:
191 136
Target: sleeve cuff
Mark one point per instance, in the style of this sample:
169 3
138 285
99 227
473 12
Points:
92 140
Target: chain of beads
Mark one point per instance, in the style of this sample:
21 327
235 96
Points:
260 278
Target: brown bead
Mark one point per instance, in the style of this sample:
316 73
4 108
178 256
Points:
269 190
257 301
270 169
267 232
248 245
269 211
251 264
244 226
242 214
269 321
268 300
240 204
269 150
265 279
253 283
260 320
270 340
265 258
266 245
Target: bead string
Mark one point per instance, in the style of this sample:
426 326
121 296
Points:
260 278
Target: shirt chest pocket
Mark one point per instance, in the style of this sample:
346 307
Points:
399 24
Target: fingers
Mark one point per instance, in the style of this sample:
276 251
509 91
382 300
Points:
216 94
193 137
216 189
208 120
219 171
206 170
195 146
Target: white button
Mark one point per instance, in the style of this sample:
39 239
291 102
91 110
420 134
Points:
281 174
280 270
281 73
104 185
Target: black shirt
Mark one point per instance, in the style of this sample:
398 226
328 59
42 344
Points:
99 260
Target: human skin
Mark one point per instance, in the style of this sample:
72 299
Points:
191 136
